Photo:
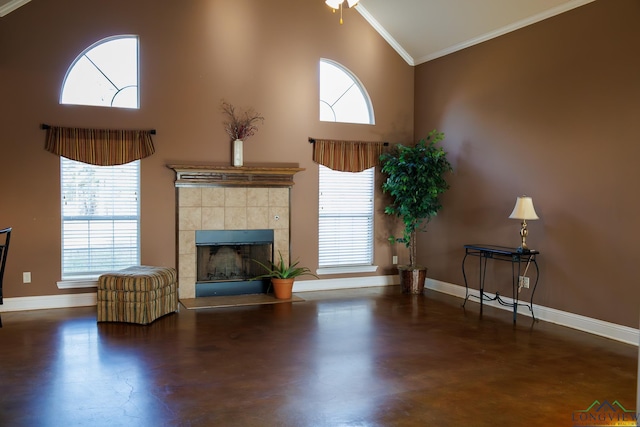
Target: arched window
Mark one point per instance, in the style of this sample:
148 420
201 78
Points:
345 231
100 205
342 97
105 74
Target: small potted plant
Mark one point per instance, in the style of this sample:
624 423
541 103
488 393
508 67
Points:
415 180
283 275
239 126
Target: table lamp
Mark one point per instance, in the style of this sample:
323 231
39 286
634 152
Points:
524 211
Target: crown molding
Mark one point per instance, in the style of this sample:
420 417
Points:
12 5
385 34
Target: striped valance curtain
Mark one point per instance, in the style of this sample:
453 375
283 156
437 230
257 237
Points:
101 147
347 156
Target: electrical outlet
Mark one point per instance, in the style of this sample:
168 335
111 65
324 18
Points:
395 259
523 282
26 277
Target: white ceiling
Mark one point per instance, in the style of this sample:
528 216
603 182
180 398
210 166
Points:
422 30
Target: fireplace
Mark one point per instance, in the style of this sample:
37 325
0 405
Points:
226 261
227 198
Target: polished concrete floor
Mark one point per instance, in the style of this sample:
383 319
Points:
368 357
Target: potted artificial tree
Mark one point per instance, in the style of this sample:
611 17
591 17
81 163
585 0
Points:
283 275
415 180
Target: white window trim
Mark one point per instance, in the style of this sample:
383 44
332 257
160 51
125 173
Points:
77 284
347 269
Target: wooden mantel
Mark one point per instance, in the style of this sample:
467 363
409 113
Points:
232 176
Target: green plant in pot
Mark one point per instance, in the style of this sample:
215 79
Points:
415 180
283 275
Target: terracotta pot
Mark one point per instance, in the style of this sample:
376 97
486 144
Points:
412 279
282 288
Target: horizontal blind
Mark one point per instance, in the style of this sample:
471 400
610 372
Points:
100 217
345 218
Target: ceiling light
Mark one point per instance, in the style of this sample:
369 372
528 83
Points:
335 4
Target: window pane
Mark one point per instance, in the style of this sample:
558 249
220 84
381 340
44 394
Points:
345 229
106 74
342 96
337 82
100 204
126 97
352 106
100 218
118 60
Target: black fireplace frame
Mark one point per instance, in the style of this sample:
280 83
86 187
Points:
233 238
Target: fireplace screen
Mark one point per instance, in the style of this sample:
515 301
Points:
231 255
232 262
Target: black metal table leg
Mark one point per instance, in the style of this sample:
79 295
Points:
466 285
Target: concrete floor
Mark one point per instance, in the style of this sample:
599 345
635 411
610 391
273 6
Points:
366 357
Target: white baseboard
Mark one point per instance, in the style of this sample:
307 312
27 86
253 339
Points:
575 321
582 323
349 283
48 301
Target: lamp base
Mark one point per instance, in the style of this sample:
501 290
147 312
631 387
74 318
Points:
523 249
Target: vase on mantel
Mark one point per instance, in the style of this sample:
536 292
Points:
237 153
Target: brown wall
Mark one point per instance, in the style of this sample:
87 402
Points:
257 53
551 111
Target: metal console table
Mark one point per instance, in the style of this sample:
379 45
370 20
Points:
502 253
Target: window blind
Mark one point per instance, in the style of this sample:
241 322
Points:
100 218
345 218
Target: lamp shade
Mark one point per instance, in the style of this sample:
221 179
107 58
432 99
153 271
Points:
334 3
352 3
524 209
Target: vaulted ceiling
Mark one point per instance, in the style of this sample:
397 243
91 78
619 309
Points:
422 30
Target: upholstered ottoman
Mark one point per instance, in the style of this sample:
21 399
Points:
138 294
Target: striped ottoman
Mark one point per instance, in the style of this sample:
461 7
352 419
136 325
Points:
138 294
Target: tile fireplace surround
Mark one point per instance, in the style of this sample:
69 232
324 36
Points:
229 198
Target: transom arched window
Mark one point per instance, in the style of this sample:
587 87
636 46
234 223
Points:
105 74
100 205
345 236
342 97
